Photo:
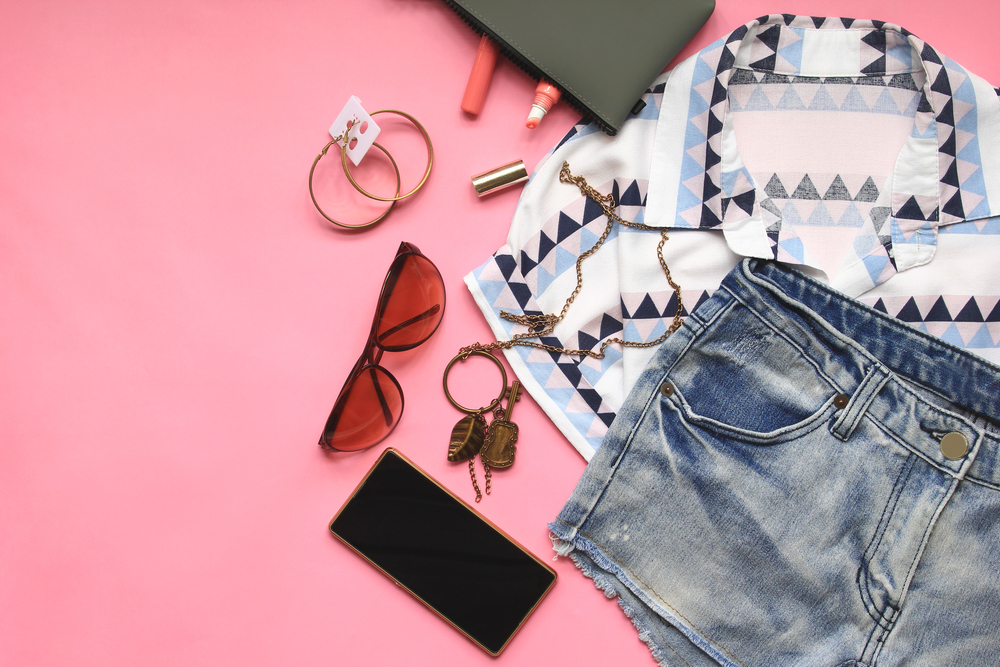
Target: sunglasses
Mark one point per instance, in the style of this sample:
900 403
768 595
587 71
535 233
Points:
409 311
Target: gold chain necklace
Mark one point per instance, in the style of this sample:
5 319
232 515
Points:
495 442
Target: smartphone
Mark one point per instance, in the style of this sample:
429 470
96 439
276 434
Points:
441 551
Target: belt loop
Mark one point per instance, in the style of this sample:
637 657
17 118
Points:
849 417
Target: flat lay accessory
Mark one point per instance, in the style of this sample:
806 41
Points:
409 310
472 435
347 141
500 178
498 449
347 225
441 551
427 172
544 324
603 57
546 96
495 442
479 78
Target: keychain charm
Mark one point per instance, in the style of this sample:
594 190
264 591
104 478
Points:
498 450
497 439
467 438
472 435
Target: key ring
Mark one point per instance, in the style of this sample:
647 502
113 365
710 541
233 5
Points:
503 385
343 153
470 434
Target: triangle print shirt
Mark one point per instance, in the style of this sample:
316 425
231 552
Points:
849 149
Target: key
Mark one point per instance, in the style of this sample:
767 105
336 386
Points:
498 449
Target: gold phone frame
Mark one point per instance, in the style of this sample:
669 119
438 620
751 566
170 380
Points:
395 452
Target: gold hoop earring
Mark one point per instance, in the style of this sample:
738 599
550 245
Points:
344 224
427 172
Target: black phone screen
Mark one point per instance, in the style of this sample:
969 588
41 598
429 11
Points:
443 552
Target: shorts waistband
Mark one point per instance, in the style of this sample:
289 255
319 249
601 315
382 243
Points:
868 348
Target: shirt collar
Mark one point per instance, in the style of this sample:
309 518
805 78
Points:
938 178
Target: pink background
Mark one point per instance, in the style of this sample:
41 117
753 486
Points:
176 320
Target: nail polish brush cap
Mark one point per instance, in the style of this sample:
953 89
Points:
546 95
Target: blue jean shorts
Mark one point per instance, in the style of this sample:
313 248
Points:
798 479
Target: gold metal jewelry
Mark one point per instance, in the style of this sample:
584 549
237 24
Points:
337 222
471 434
503 382
544 324
427 173
495 442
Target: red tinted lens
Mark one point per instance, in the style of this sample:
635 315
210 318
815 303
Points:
365 413
412 304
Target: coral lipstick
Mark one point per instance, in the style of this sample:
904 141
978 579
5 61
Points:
479 78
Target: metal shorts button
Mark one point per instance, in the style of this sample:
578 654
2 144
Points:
667 389
840 401
954 446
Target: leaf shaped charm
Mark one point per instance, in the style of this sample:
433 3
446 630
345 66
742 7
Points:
466 438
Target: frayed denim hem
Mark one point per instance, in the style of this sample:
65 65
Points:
611 581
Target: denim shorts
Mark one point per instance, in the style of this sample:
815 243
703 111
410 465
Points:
798 479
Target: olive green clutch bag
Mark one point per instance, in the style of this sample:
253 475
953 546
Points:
603 54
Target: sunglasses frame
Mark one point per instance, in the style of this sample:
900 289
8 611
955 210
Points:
372 355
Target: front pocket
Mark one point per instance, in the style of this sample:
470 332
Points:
751 436
749 378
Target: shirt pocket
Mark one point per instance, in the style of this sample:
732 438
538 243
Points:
747 378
